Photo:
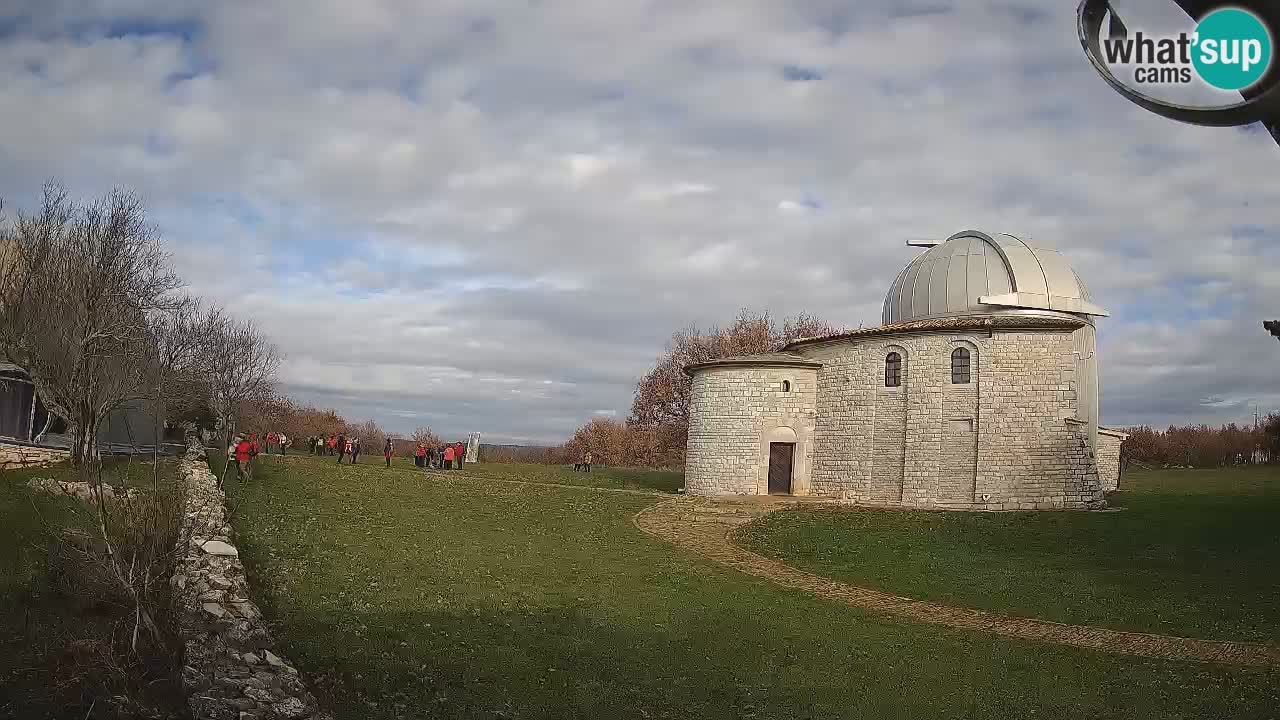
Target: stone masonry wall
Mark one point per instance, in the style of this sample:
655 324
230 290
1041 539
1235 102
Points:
20 456
231 671
733 410
1109 460
1000 442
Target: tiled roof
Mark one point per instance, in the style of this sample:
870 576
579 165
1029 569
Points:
957 322
778 359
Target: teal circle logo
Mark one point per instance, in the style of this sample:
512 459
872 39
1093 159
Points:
1232 49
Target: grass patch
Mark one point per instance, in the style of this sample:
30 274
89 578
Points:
1192 553
64 626
667 481
462 596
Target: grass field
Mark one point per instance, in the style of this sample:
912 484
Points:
1192 553
62 650
464 596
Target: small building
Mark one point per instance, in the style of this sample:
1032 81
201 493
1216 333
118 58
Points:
23 417
978 391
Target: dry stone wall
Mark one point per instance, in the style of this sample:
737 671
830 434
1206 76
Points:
232 668
1109 459
20 456
738 410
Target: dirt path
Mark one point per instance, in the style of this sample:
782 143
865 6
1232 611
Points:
704 527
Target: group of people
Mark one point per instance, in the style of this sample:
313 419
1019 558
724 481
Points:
445 457
584 464
244 448
340 445
279 440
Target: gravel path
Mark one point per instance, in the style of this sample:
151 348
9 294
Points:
704 527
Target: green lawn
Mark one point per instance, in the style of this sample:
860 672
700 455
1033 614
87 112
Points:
62 650
462 596
1192 552
600 476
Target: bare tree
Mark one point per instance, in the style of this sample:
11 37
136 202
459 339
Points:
242 365
79 284
426 436
177 361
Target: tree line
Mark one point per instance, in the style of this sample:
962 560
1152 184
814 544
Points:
1202 446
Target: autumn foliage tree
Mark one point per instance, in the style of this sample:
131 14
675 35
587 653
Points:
1202 446
661 404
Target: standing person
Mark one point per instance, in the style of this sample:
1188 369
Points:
386 451
459 453
355 450
448 457
341 446
586 461
420 455
332 443
284 444
244 452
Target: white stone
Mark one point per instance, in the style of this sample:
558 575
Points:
217 547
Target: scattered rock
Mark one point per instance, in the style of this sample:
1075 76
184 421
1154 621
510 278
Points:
215 610
289 709
217 547
259 694
219 582
250 659
272 659
247 610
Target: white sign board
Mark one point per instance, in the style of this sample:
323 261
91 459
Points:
473 447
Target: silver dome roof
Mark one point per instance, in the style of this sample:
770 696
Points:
973 272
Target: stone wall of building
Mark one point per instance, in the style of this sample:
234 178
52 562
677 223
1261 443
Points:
20 456
734 414
232 669
1109 442
1000 442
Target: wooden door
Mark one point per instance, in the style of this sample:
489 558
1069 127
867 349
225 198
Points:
780 457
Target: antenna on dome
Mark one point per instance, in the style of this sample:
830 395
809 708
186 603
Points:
924 242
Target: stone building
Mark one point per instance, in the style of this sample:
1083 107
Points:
978 391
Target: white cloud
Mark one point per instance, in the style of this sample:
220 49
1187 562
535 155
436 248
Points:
435 207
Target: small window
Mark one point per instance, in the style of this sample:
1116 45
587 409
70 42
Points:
893 370
786 386
960 366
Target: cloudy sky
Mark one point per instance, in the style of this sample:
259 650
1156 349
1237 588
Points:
491 215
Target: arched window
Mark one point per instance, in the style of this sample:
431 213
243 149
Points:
960 366
893 370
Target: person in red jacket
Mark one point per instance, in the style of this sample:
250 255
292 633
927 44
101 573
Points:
448 458
244 451
459 452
